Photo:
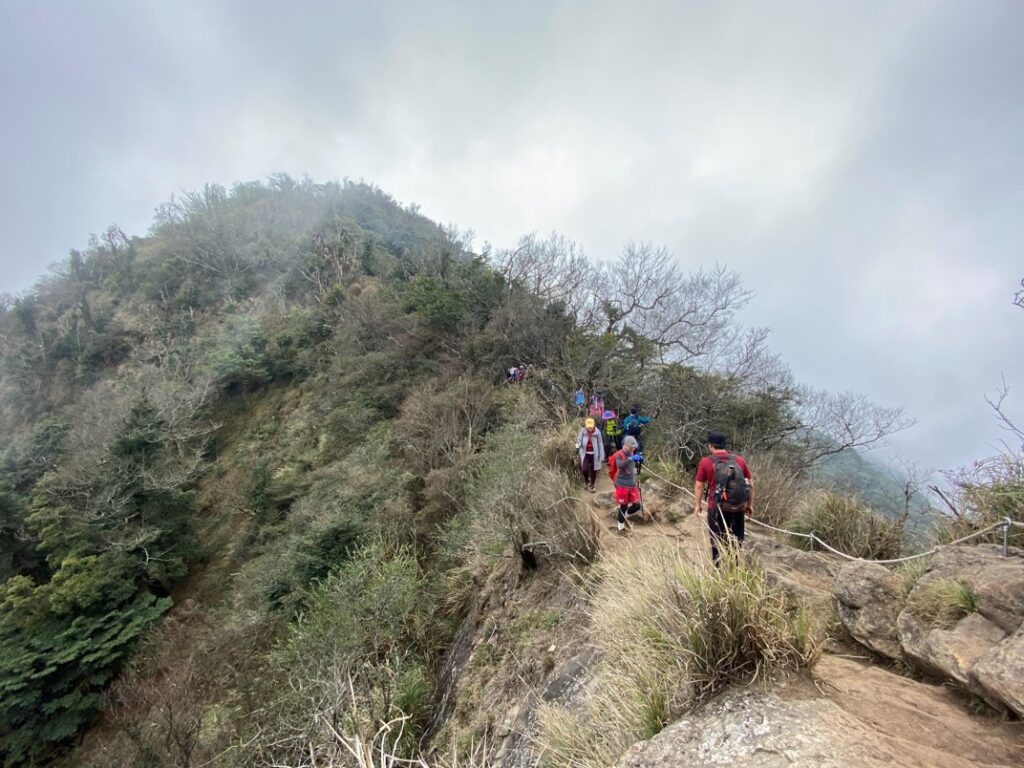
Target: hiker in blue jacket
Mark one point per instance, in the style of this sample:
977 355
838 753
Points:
633 425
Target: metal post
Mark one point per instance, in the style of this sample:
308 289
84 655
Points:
813 534
1006 537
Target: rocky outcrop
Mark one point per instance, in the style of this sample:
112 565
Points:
870 718
949 653
869 597
997 582
1000 673
744 728
982 651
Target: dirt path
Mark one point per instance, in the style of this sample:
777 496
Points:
673 519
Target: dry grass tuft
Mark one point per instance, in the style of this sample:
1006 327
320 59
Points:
778 486
848 525
670 634
557 447
943 602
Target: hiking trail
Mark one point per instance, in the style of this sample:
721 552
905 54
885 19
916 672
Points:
888 718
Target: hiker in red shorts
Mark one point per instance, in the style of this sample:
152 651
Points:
622 468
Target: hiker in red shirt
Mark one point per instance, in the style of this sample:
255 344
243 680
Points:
730 493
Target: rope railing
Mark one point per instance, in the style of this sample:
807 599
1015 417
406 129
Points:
1004 525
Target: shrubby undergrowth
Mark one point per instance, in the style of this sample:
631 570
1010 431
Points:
986 494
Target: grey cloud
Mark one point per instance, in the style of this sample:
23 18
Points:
859 163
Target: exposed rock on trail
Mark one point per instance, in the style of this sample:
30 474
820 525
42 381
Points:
869 600
866 717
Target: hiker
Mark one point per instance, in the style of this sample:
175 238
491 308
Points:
633 425
596 406
730 492
590 447
622 469
512 375
579 399
612 432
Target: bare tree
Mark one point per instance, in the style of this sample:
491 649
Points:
1007 424
556 270
686 316
832 422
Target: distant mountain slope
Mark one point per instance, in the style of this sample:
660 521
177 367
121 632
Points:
882 486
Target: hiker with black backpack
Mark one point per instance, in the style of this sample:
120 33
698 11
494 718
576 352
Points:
633 425
730 493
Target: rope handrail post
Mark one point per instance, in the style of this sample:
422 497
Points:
1006 536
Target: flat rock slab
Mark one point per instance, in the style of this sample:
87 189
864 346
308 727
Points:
935 715
918 726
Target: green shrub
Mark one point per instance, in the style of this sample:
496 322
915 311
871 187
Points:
354 659
942 602
670 634
238 355
515 500
846 524
60 644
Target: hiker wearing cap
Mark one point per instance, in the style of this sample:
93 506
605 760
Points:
590 448
622 468
730 493
633 425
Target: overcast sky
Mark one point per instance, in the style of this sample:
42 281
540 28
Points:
861 164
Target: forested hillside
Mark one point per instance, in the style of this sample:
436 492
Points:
259 463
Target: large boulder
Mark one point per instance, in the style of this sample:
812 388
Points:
1000 672
804 729
982 650
869 597
804 576
950 653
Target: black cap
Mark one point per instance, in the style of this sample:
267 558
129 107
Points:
717 439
